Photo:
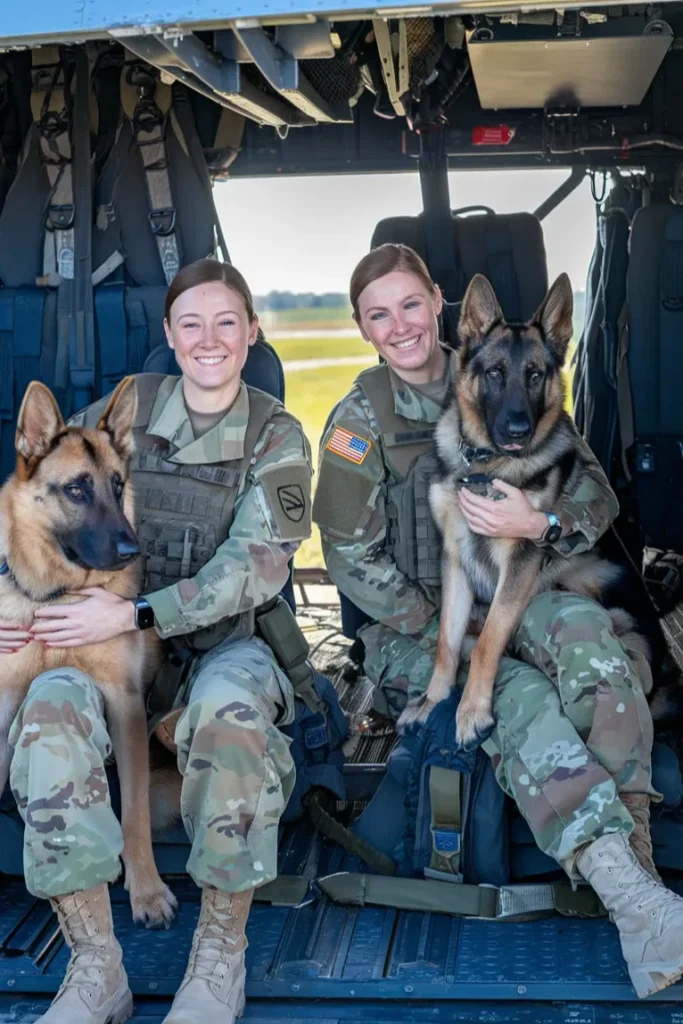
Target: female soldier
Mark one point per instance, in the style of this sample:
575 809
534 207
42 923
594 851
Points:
573 734
212 459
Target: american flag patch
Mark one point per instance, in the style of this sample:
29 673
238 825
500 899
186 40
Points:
349 446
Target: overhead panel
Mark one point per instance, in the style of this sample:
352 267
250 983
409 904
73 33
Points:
608 65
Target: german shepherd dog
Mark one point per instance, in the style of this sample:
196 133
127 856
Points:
505 419
65 518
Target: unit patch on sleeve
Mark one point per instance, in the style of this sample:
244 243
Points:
287 488
349 446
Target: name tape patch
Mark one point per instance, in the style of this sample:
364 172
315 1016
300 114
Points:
349 446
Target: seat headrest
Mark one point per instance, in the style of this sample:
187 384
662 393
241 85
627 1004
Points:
507 248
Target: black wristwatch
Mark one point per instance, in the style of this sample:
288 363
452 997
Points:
554 531
144 616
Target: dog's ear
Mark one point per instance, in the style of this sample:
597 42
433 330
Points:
38 423
119 416
480 310
555 317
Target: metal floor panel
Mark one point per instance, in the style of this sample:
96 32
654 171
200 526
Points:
27 1011
359 957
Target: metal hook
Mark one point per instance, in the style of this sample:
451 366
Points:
601 198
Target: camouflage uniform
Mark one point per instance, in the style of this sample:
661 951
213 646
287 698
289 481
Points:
237 768
569 737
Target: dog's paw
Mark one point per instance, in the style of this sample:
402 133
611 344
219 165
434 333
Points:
416 712
153 905
474 723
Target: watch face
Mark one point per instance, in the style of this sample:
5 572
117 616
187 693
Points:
144 616
553 534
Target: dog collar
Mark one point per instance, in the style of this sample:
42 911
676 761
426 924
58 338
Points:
471 454
6 571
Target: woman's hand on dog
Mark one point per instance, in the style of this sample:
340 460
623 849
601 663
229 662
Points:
12 637
513 518
100 616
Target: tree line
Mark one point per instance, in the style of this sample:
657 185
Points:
275 301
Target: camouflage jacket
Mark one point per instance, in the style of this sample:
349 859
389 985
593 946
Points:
354 530
251 564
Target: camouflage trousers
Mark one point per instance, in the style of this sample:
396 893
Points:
573 728
236 765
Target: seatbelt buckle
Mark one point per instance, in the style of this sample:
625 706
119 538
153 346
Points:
162 221
446 841
646 458
315 736
60 216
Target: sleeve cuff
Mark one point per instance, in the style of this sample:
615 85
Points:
166 608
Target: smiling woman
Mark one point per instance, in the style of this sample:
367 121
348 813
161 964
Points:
210 324
396 306
571 676
221 476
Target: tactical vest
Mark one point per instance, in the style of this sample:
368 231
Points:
183 513
407 447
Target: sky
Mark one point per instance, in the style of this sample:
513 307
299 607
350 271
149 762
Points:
307 233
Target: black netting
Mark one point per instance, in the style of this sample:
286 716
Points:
424 49
336 79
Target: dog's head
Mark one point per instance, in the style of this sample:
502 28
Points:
69 488
509 381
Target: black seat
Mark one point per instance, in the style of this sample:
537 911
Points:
507 248
655 364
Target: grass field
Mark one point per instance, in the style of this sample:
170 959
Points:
311 395
320 348
322 319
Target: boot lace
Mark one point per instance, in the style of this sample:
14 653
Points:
639 887
88 956
211 956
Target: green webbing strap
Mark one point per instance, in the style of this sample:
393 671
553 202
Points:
277 625
285 891
509 903
333 829
168 688
445 791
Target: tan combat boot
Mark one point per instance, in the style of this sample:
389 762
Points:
212 991
638 806
95 987
649 917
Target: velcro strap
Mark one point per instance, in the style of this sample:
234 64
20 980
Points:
509 903
445 798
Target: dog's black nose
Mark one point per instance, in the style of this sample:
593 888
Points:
518 426
127 550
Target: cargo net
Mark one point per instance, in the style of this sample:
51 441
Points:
424 49
336 79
